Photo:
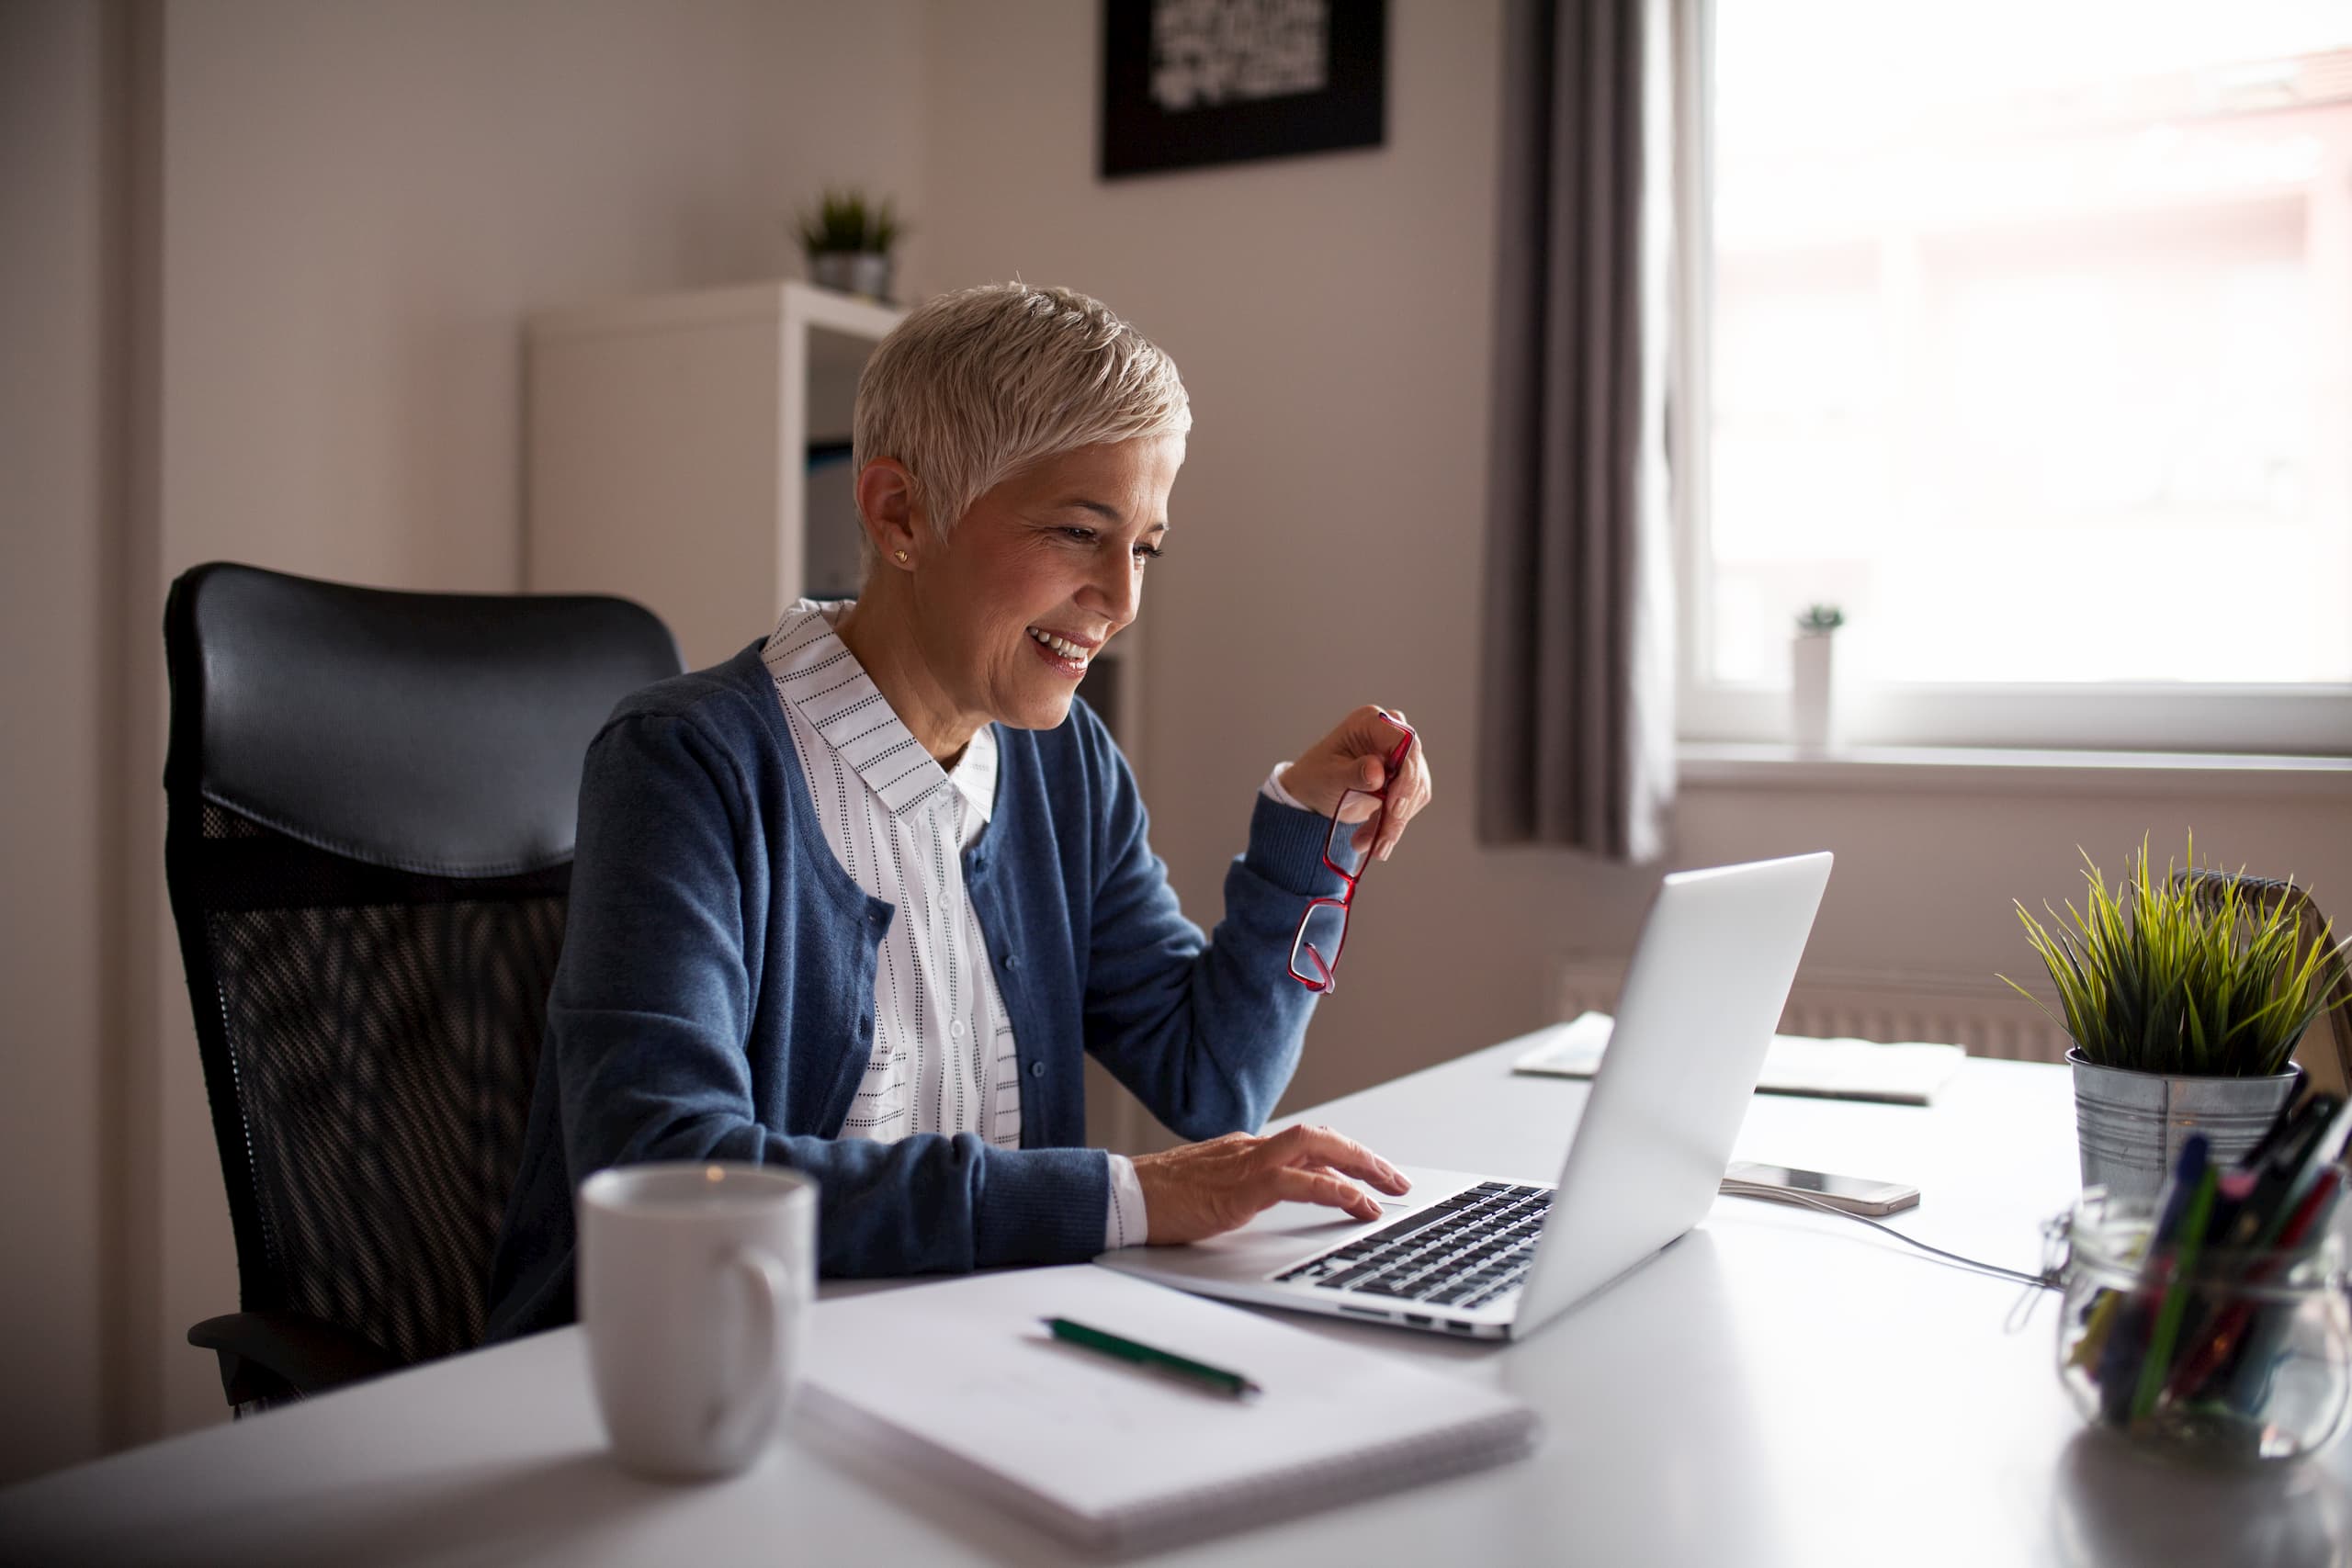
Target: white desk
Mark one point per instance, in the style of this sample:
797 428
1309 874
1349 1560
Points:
1778 1388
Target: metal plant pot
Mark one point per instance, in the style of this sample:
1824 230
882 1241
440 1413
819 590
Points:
853 272
2131 1125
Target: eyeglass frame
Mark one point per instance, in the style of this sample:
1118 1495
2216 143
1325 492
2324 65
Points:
1354 879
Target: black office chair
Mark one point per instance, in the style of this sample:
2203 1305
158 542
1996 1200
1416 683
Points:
371 799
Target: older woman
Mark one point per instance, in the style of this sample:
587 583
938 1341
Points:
857 900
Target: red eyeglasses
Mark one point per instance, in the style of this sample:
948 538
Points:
1323 929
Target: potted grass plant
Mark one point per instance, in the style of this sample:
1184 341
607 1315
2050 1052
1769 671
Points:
2185 997
848 238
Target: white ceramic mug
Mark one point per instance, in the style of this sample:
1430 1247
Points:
695 1285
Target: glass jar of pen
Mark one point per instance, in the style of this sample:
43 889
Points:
2213 1325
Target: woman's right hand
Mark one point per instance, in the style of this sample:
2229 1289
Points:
1356 757
1203 1189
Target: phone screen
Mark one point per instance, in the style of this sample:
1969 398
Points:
1854 1188
1805 1180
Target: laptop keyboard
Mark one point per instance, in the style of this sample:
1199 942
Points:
1466 1251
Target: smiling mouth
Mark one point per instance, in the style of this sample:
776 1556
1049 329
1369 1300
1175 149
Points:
1069 658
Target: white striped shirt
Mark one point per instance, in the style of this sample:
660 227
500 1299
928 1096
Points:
944 1058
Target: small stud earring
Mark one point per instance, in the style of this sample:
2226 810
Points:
902 554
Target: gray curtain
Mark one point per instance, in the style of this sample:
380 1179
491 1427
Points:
1577 722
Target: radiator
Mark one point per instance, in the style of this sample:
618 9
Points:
1984 1015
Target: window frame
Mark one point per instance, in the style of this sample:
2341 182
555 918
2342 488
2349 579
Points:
2201 717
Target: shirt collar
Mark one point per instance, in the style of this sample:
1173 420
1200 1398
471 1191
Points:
815 672
974 774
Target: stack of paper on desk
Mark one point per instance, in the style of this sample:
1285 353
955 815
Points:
963 1377
1831 1069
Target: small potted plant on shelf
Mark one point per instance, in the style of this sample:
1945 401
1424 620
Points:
1810 675
2185 997
848 239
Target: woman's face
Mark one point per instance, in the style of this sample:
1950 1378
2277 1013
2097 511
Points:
1056 552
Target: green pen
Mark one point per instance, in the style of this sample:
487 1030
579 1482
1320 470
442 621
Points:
1215 1380
2186 1243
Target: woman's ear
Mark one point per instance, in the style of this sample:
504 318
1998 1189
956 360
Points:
891 513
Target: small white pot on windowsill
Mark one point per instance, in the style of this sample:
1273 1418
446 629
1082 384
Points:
1811 679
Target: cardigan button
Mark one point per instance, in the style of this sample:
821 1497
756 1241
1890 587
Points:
1012 961
1036 1070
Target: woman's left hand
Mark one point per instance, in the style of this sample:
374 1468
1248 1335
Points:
1355 756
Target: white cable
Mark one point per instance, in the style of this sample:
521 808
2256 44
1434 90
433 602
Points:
1764 1194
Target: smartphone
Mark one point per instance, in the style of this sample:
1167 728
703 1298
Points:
1855 1195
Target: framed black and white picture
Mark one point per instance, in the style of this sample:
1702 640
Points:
1192 83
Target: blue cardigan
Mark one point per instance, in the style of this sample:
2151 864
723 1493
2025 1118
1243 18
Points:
714 999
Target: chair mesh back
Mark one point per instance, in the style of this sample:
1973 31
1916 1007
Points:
383 1028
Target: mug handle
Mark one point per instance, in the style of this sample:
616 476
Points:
739 1417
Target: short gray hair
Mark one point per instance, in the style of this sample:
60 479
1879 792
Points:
975 386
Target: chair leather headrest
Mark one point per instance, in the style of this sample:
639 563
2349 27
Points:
430 732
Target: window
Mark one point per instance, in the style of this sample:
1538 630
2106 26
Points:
2024 335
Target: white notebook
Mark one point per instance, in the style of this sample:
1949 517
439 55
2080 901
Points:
1827 1069
964 1378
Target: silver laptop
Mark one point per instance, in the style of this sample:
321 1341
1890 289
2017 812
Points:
1487 1258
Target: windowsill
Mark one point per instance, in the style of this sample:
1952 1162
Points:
1741 764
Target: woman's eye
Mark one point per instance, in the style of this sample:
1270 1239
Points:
1090 537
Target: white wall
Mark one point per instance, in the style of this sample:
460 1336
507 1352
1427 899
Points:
1331 317
52 615
364 198
355 204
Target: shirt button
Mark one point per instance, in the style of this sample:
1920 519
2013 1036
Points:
956 1028
1036 1070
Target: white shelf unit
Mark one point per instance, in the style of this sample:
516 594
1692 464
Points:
669 442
